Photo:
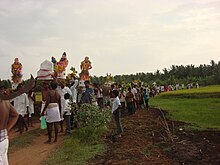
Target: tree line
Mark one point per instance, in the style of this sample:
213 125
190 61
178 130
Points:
204 74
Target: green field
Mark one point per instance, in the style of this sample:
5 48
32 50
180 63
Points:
199 107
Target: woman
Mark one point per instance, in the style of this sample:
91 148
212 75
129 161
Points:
52 110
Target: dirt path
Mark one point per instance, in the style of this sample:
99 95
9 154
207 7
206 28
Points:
37 152
34 154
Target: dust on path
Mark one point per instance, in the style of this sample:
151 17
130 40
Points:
37 152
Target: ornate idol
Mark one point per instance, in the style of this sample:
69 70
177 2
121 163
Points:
61 66
16 69
85 66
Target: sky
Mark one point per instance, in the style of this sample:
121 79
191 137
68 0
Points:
119 36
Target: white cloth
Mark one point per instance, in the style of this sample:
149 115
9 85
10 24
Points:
45 72
99 93
21 103
62 92
52 113
74 91
42 107
116 104
67 107
3 152
134 91
31 105
122 96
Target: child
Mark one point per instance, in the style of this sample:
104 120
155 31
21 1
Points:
116 112
146 98
67 113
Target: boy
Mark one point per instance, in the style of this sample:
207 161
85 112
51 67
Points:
67 113
116 112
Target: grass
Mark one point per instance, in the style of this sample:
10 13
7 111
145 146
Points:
75 152
204 92
24 140
201 111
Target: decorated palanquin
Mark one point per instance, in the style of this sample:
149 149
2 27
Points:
85 66
46 71
16 69
60 66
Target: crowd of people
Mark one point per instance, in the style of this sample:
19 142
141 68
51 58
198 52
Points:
60 99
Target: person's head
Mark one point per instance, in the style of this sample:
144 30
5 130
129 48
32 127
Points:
115 93
129 89
86 84
112 86
67 96
16 60
53 85
64 55
2 88
86 58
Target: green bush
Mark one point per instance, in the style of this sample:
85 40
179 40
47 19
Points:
92 122
91 115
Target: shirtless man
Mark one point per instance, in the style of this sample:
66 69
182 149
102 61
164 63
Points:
8 118
52 111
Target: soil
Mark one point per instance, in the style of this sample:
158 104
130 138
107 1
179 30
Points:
150 139
147 139
37 152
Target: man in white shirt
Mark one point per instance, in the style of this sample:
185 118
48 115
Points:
117 113
74 90
99 96
21 104
134 91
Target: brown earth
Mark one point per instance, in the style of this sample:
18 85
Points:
150 139
147 139
37 152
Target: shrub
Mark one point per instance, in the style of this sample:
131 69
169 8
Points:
91 115
92 122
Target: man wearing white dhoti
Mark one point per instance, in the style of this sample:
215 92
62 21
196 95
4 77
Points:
52 111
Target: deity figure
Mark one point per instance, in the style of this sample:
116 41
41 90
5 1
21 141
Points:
73 74
60 66
108 77
85 67
16 69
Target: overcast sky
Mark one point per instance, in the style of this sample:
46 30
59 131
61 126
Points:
119 36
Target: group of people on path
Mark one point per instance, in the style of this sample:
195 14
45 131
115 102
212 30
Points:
58 100
131 99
